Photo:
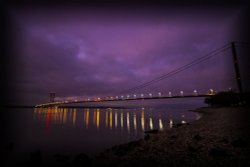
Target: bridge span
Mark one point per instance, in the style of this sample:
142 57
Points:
58 103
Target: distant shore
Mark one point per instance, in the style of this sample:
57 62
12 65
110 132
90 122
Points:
17 106
219 138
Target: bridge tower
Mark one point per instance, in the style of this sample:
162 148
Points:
52 96
236 67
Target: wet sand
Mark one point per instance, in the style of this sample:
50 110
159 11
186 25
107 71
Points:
219 138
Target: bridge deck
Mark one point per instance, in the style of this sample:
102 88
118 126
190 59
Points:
120 99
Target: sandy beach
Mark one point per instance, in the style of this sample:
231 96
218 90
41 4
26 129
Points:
219 138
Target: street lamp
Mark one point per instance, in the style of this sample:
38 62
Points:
159 94
181 92
169 94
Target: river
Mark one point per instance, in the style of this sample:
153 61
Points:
91 129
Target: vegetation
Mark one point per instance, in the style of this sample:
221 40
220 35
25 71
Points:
230 98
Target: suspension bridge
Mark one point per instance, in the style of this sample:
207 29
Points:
130 94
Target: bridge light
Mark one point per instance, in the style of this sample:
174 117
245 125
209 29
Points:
159 94
88 99
134 96
181 92
128 96
116 97
122 96
111 97
195 92
211 91
169 94
150 94
142 95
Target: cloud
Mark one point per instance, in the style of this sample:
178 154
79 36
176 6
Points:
99 52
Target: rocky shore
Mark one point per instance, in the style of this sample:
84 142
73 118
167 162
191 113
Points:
219 138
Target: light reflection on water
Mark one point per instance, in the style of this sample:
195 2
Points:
92 130
135 120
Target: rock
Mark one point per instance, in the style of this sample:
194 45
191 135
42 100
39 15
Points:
141 149
147 137
198 137
191 149
173 137
239 143
134 144
154 131
194 148
125 148
218 152
224 141
177 125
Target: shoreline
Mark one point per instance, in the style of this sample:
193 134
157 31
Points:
219 138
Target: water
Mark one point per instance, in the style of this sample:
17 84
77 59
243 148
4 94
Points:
91 130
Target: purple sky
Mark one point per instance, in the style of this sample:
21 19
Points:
102 51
